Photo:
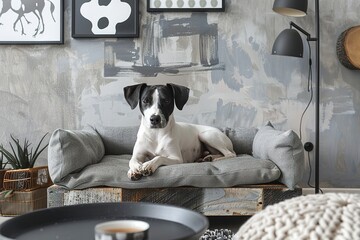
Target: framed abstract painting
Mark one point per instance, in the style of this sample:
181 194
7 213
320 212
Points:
185 5
31 21
105 18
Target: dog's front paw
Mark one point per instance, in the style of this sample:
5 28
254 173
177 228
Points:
148 168
135 170
134 175
146 172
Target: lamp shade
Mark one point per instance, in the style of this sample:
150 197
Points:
288 43
293 8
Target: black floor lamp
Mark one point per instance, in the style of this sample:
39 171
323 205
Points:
289 43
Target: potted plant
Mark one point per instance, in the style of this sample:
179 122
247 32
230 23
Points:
25 186
22 158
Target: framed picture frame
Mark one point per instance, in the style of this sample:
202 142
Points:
185 5
105 19
32 22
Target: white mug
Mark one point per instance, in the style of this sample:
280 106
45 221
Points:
122 230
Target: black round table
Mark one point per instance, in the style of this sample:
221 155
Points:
78 221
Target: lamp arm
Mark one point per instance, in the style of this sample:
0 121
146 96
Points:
297 27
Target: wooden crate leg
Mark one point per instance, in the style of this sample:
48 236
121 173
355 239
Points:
55 196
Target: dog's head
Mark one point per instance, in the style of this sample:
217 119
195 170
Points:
156 102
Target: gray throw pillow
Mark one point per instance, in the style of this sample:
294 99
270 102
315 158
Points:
118 140
241 138
285 149
70 151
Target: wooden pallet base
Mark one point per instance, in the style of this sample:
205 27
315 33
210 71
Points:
239 201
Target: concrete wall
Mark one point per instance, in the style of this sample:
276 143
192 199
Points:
224 58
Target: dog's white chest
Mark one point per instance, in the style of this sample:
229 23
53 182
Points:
188 149
188 142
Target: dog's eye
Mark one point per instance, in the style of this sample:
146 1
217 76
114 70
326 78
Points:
167 101
146 100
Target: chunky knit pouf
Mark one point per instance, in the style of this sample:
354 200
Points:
321 216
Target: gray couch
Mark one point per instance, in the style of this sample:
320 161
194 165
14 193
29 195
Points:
98 156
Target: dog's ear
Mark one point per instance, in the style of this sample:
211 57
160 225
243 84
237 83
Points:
132 94
181 94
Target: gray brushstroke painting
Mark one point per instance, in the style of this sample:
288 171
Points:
171 46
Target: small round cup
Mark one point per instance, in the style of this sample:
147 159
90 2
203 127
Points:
122 230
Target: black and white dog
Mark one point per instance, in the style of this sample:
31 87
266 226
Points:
161 140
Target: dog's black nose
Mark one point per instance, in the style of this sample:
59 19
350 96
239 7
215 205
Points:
155 119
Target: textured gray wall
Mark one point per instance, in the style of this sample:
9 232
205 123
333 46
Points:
224 58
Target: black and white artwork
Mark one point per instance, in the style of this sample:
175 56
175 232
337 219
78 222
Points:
185 45
185 5
105 18
31 21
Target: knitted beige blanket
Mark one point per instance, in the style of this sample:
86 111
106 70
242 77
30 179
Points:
321 216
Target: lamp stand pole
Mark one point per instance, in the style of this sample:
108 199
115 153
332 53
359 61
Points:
317 99
296 9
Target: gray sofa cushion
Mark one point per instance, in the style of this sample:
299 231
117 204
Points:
112 172
285 149
71 151
242 139
118 140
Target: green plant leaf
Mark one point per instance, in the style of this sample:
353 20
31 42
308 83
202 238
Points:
11 158
20 153
6 194
16 158
9 193
3 164
36 153
26 158
22 156
2 160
